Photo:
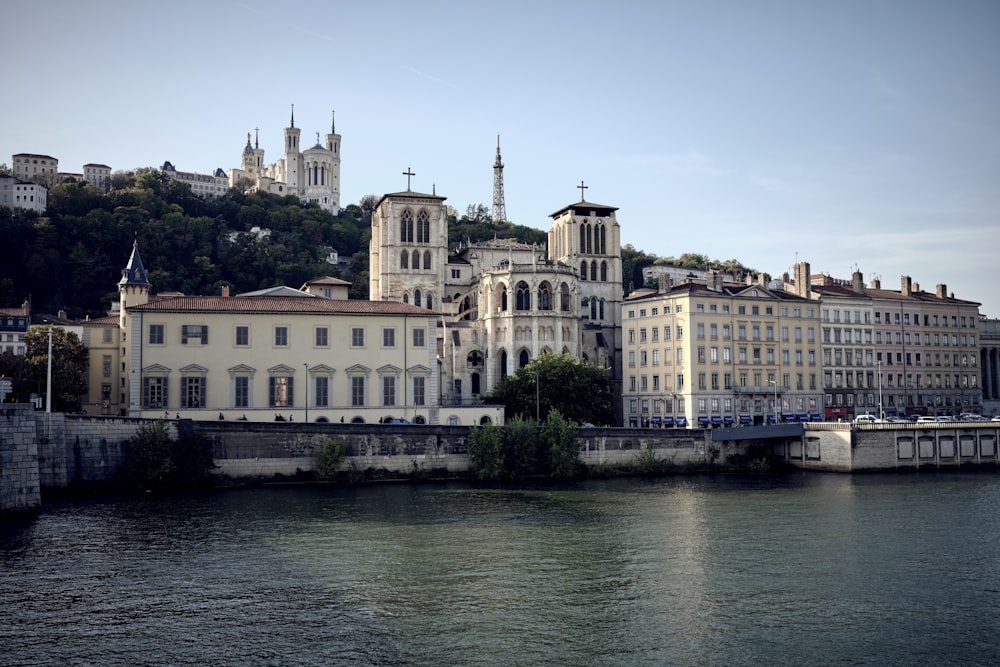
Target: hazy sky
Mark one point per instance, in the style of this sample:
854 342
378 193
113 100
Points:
848 134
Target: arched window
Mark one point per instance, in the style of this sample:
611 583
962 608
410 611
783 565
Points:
503 298
564 298
430 301
602 309
544 297
404 260
476 384
466 308
523 359
583 239
416 260
427 260
502 363
523 297
406 227
590 247
423 227
593 309
583 270
416 298
604 240
593 270
604 270
406 297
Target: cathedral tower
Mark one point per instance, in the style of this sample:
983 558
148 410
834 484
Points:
292 150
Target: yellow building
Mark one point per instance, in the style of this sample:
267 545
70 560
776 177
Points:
711 353
280 354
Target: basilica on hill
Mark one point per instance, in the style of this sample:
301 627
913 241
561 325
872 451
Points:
313 174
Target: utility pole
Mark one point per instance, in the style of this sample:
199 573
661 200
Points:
48 379
306 364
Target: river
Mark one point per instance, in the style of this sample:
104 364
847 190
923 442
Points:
783 569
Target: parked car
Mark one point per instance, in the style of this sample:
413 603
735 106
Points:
866 419
927 419
898 420
396 420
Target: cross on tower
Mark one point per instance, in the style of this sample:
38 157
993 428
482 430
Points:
408 173
582 187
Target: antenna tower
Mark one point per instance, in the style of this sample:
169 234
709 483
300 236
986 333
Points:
499 208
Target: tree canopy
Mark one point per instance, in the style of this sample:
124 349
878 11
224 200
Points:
579 391
29 373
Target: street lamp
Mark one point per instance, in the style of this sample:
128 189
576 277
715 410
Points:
48 378
775 401
306 364
881 411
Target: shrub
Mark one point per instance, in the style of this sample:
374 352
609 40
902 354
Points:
328 457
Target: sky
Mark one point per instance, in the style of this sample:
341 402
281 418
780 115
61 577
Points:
855 135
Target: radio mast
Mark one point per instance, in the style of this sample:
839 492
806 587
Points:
499 209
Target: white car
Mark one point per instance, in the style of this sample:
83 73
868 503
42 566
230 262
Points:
866 419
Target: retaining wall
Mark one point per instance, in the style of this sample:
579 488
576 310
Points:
20 490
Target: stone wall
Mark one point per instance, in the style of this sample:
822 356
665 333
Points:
886 447
20 490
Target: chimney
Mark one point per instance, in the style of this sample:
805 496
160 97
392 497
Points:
225 290
916 288
663 283
61 314
942 291
803 279
876 283
905 288
857 284
26 307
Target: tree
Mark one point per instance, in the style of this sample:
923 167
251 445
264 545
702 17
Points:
579 391
486 451
329 456
559 437
155 462
69 366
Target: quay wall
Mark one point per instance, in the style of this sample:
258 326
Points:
20 488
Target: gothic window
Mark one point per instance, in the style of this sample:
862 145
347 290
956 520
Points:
406 227
603 240
503 364
427 260
430 301
416 298
475 359
564 298
583 270
416 260
523 359
583 238
476 388
423 227
404 260
523 297
593 309
503 298
602 309
406 297
544 297
590 247
604 270
593 270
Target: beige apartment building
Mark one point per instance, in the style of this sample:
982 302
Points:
712 353
279 354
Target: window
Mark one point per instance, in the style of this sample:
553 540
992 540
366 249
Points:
242 335
154 392
357 337
155 334
357 391
388 390
192 392
281 336
321 397
418 338
419 390
389 337
194 332
281 393
106 366
241 391
322 337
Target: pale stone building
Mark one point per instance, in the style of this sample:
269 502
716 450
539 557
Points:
280 353
500 304
24 195
41 169
206 186
312 174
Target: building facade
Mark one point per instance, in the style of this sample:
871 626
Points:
502 303
206 186
311 174
712 353
23 195
283 353
14 325
989 341
41 169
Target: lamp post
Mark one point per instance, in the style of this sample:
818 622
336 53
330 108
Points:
48 377
306 364
776 422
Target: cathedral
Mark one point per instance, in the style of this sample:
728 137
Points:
313 174
502 303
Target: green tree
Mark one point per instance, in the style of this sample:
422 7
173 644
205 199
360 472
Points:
579 391
328 457
521 451
559 438
69 366
486 451
155 462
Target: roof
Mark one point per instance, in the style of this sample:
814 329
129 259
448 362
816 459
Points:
583 204
97 164
327 280
134 273
280 304
47 157
410 194
281 291
924 297
107 320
